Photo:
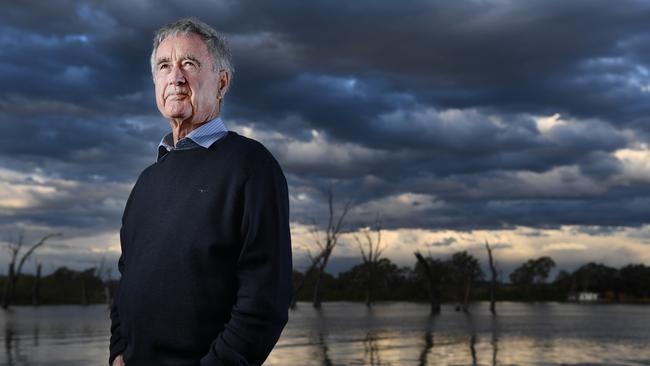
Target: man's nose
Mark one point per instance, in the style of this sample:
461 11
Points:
176 76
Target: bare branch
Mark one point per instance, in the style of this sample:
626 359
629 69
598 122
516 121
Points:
363 253
346 208
332 233
330 200
31 250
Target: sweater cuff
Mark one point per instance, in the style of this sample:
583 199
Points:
116 349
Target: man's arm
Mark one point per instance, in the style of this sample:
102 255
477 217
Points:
117 343
264 270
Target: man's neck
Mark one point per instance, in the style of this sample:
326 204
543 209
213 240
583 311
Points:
180 129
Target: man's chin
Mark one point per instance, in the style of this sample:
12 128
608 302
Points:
183 115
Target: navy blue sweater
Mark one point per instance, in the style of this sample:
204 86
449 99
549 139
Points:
206 259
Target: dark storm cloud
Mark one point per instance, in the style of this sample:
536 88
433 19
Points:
535 56
426 110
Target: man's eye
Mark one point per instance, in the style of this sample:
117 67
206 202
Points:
189 63
164 66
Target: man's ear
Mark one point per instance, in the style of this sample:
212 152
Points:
223 82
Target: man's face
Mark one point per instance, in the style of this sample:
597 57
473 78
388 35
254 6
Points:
186 85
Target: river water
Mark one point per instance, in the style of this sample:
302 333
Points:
343 333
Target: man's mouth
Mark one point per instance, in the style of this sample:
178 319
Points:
176 96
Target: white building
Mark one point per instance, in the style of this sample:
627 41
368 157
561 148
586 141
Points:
584 296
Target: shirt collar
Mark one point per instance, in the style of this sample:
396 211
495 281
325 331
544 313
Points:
204 136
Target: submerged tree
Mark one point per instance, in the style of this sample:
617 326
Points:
466 270
433 270
370 253
14 272
314 263
493 279
326 245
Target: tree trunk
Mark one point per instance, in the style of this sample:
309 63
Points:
493 282
434 298
317 290
370 283
468 288
434 294
297 289
294 298
317 296
9 287
36 288
492 300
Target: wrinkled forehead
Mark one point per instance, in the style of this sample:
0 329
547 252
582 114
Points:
181 46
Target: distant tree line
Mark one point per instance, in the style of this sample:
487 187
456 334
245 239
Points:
63 286
459 279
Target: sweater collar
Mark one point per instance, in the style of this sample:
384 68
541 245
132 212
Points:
203 136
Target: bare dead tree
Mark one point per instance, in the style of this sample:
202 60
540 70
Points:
370 255
433 279
493 280
326 245
14 272
314 262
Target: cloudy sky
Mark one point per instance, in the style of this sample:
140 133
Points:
524 123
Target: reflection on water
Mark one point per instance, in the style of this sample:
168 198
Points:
521 334
54 335
388 334
428 342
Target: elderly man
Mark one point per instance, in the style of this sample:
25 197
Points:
206 251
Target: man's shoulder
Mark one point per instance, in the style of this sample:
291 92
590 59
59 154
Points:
248 149
251 153
246 143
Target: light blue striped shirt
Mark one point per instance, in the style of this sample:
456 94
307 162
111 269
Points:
203 136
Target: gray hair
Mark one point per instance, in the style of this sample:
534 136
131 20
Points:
217 44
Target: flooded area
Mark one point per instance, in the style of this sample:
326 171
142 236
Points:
344 333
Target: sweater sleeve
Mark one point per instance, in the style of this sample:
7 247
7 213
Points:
264 270
117 342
